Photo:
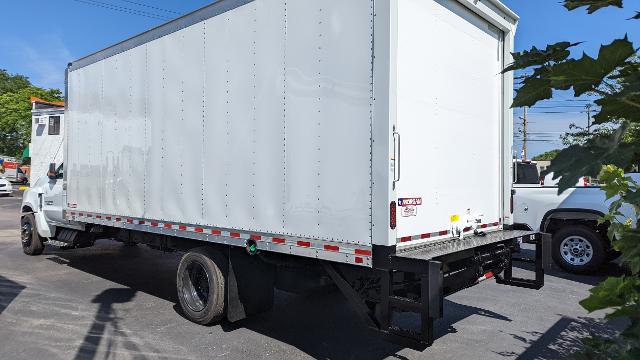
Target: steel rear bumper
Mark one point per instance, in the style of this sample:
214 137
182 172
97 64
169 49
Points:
433 266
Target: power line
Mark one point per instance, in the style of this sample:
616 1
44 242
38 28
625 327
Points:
557 112
588 107
152 7
545 132
557 106
537 137
549 141
568 100
123 9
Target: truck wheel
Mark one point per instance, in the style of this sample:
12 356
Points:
201 285
578 249
31 241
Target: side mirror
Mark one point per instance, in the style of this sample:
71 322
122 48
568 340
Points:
52 171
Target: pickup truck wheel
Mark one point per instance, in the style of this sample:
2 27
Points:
201 285
578 249
31 241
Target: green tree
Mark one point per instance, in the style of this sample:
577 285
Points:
547 156
12 83
613 77
15 111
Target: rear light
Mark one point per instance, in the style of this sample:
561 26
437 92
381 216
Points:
542 180
392 215
585 181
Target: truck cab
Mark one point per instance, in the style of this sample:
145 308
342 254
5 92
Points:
42 214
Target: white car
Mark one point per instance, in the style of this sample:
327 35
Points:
5 187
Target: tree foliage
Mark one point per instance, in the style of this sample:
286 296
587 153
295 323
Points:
613 77
592 5
620 295
12 83
15 111
547 156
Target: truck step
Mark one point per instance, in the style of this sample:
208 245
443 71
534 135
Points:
60 244
67 236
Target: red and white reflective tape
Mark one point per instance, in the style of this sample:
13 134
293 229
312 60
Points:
486 276
424 236
355 254
444 233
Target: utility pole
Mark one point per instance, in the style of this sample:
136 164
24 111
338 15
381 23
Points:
524 133
588 118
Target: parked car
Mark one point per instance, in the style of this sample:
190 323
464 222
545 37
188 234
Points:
21 177
5 187
580 243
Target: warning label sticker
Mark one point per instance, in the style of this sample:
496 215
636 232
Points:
410 201
409 210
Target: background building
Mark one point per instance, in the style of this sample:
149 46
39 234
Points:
47 132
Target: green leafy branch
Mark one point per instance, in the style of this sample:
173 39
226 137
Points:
613 77
592 5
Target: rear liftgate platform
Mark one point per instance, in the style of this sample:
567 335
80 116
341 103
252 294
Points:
416 279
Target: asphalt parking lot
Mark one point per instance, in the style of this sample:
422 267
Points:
112 301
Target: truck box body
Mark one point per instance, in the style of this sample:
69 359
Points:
304 125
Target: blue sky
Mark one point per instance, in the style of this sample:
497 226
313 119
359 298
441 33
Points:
39 37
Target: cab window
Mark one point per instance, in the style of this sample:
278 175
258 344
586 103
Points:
527 174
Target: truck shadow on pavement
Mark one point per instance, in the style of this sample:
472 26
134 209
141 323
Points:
609 269
135 267
324 326
320 324
9 290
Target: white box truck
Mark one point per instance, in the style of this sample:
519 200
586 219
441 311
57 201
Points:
286 143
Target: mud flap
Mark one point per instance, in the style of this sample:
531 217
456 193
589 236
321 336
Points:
250 283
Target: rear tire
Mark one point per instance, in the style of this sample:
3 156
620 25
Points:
578 249
200 282
31 241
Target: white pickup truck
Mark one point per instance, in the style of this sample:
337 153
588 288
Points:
580 243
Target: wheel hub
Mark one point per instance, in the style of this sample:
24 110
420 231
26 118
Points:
576 250
196 290
26 232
